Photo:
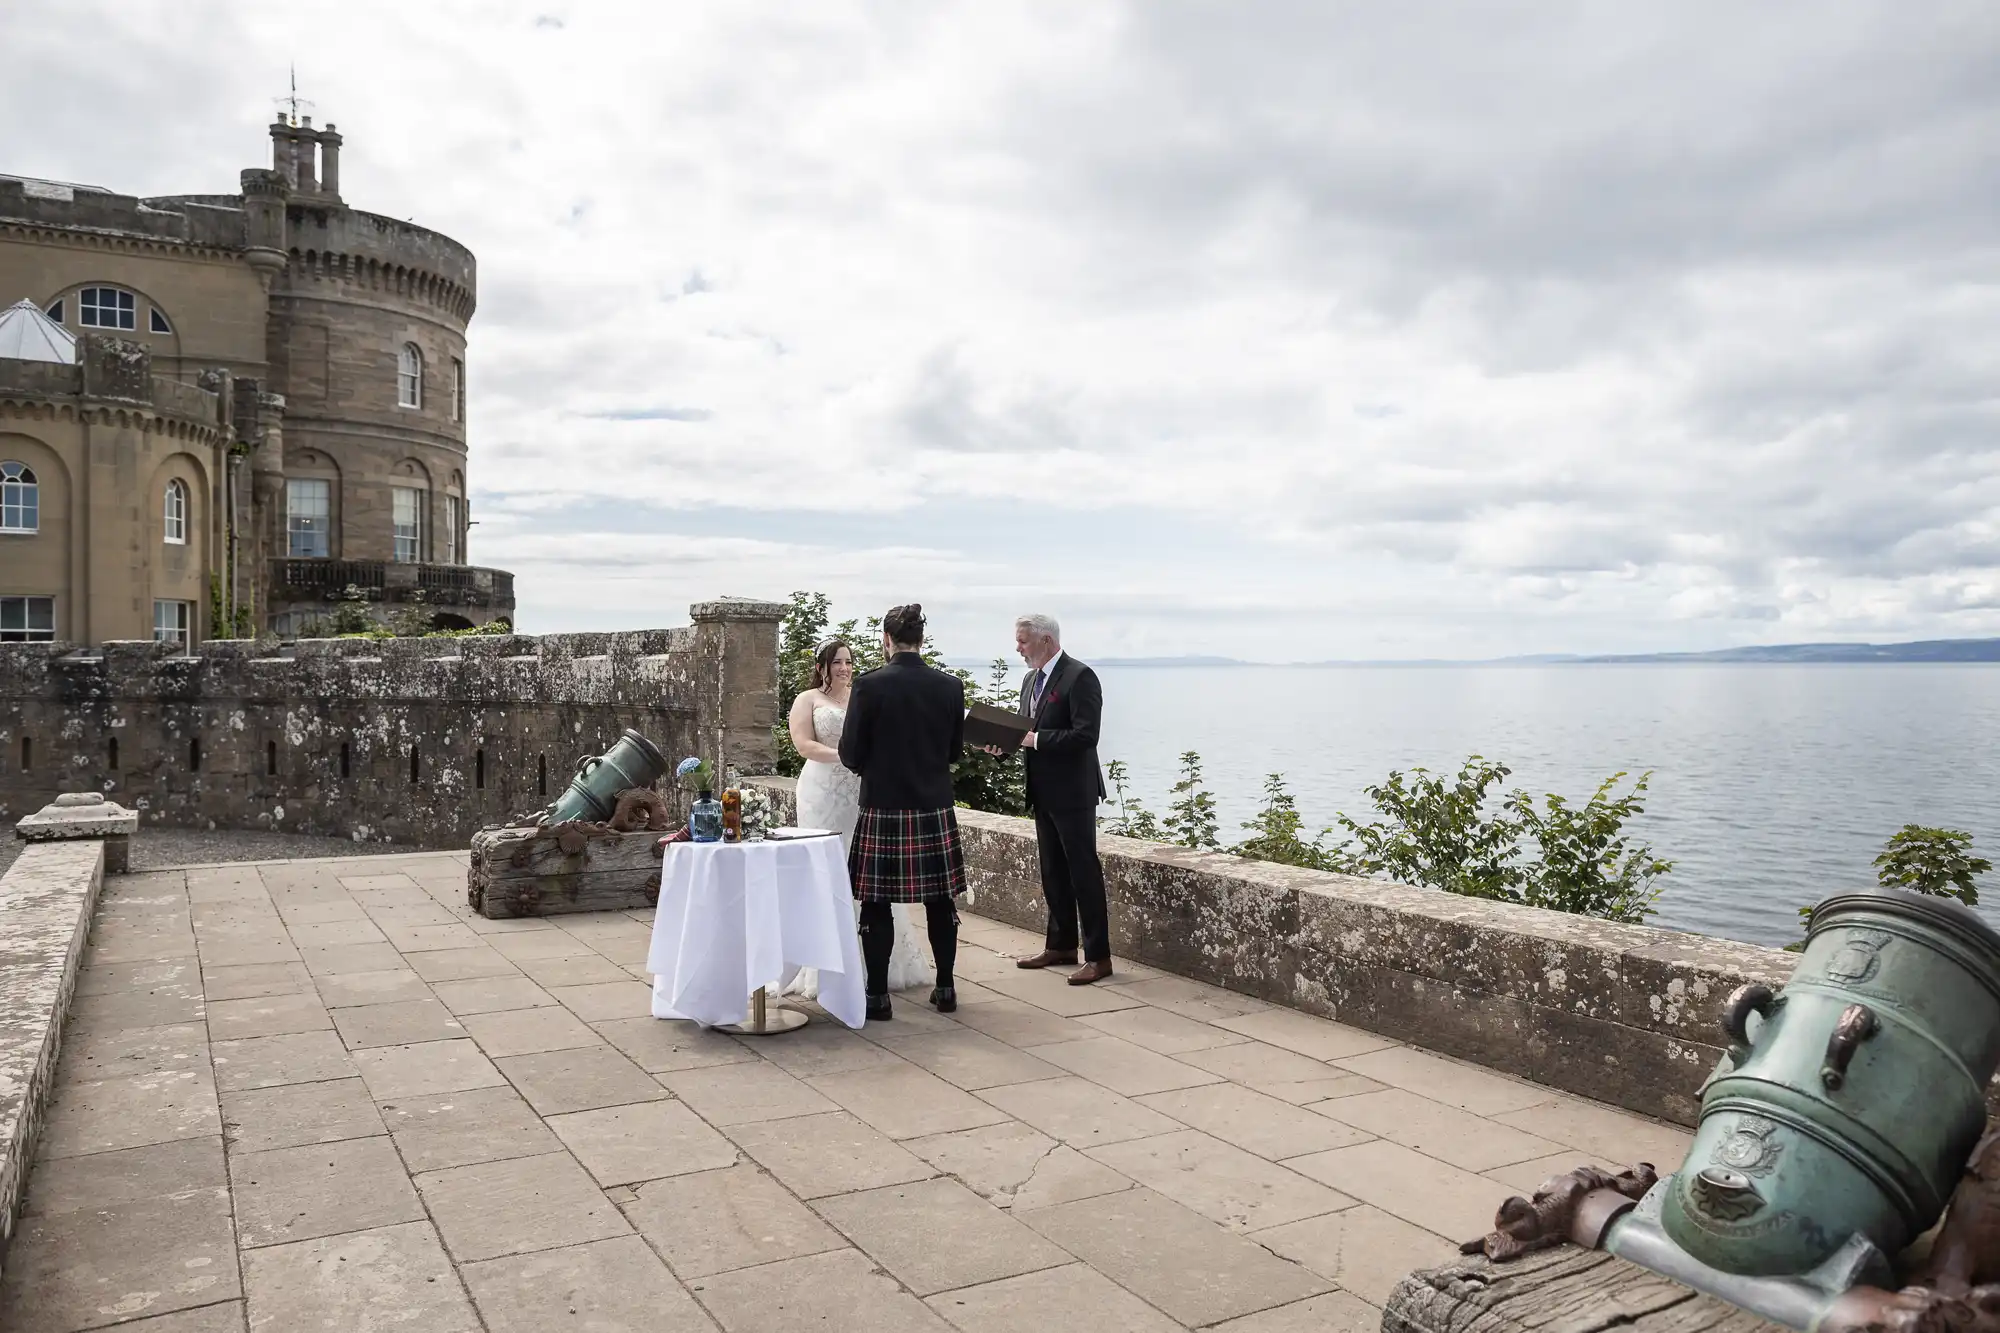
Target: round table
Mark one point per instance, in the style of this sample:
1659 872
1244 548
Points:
736 917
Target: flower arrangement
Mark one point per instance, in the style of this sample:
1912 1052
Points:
756 814
695 774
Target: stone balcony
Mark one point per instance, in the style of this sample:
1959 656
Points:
323 1094
309 586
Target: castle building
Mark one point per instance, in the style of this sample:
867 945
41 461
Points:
225 415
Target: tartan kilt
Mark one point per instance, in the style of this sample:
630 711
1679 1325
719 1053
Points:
906 856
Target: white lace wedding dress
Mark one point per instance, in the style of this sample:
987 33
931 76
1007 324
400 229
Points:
830 797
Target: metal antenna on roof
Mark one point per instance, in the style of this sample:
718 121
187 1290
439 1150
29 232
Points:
288 106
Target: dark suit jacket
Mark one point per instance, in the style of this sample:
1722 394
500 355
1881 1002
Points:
1062 768
905 727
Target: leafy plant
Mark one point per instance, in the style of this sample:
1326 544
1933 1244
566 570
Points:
1436 835
1134 819
1190 817
1587 864
1933 861
1275 831
695 774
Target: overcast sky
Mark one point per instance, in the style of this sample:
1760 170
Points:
1281 330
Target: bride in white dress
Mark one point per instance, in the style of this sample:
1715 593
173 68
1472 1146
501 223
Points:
829 796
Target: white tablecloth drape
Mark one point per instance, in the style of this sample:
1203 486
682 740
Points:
736 916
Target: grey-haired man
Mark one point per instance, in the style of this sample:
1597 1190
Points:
1065 705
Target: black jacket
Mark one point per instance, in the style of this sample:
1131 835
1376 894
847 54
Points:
905 727
1062 768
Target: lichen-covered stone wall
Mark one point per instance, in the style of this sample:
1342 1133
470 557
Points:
1623 1014
416 741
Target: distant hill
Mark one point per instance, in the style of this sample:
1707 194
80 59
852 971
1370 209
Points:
1921 650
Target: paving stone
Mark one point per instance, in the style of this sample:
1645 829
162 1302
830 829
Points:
622 1145
538 944
338 958
1220 1181
1192 999
1364 1249
608 1000
1419 1189
1026 1303
91 1267
1315 1037
1078 1112
510 1207
110 978
450 1129
714 1221
228 1317
1161 1030
663 1045
1122 1066
412 938
128 1052
1261 1124
266 1016
485 995
341 908
1020 1024
526 1031
1611 1135
389 1278
1437 1130
152 1006
1169 1256
266 1062
460 964
401 1024
1335 1312
579 1080
130 1112
971 1059
821 1291
299 1114
246 952
824 1047
573 970
818 1155
605 1285
1446 1081
740 1094
905 1102
129 1175
252 980
1256 1064
322 1189
935 1235
1312 1092
1049 988
428 1067
390 986
357 929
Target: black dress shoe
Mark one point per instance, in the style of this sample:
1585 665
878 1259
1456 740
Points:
878 1009
945 998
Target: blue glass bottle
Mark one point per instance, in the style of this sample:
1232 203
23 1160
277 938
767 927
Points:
705 818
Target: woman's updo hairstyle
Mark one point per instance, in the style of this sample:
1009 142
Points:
905 625
822 676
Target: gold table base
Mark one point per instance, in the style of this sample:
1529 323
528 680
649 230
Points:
767 1019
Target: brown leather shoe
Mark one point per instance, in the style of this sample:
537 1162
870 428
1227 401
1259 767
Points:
1090 972
1048 958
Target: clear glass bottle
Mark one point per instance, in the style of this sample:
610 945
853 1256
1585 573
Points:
705 817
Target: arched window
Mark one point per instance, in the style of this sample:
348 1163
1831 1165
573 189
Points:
20 498
107 308
157 322
409 377
177 514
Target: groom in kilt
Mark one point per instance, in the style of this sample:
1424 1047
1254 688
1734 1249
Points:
905 727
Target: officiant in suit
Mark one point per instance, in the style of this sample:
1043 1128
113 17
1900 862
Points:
1065 705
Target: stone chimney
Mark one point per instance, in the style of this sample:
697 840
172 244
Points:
329 161
284 151
306 154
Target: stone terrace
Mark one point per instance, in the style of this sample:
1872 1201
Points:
323 1095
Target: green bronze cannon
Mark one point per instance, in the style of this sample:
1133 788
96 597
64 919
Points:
1835 1128
592 794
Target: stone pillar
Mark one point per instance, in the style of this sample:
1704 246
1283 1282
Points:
81 815
737 691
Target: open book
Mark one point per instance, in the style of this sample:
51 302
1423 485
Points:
987 725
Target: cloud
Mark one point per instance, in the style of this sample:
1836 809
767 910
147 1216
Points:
1300 331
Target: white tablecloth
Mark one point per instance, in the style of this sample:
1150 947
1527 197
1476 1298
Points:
736 916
